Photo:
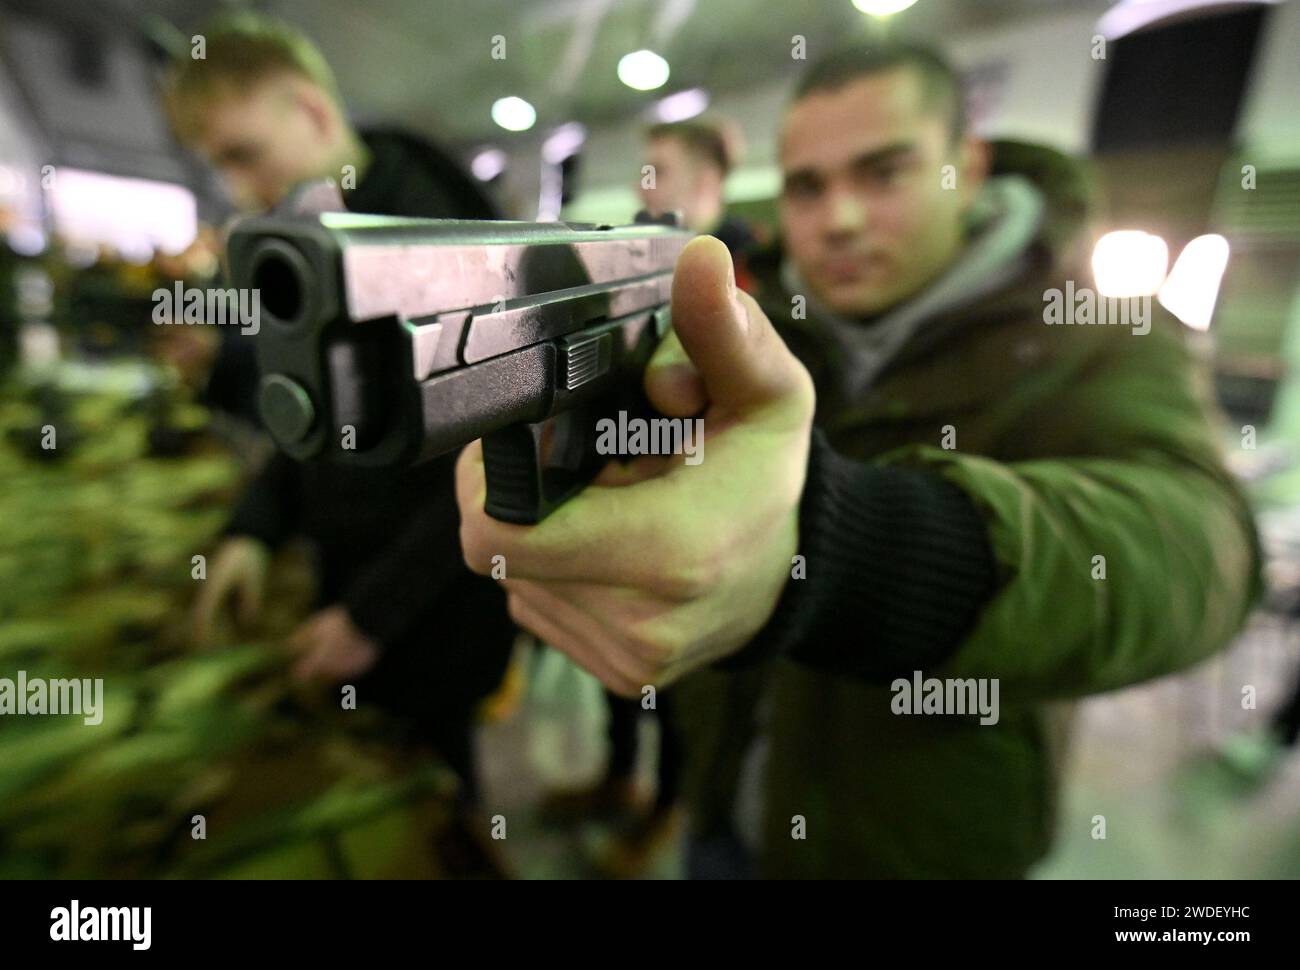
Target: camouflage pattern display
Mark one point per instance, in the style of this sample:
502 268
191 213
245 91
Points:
97 568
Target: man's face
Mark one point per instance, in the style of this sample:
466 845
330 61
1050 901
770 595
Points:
266 140
677 181
864 212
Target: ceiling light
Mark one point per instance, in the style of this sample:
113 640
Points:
488 164
1193 284
1129 262
882 8
682 105
513 114
643 70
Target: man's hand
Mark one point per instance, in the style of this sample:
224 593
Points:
331 648
660 567
238 573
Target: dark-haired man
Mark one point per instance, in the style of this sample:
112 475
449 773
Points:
913 481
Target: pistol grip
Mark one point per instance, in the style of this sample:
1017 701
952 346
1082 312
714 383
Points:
533 468
518 490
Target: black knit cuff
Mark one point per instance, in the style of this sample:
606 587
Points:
386 615
898 566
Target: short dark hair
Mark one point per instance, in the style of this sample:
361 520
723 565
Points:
940 80
703 140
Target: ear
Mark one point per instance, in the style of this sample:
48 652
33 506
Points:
318 108
976 157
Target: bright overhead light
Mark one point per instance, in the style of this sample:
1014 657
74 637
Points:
1193 284
682 105
488 164
513 114
1129 262
643 70
27 240
563 142
882 8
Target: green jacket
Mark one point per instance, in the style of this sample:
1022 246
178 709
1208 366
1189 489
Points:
1073 442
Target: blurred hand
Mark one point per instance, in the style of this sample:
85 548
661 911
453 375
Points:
238 573
660 567
331 648
189 351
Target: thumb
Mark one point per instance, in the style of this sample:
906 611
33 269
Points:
732 344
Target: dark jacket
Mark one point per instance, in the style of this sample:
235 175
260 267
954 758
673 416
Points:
974 561
388 539
411 176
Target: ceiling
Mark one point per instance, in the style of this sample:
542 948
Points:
429 62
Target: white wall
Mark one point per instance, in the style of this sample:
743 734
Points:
21 155
1051 79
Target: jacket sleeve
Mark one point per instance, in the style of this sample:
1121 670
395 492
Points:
268 508
1134 557
396 590
1129 555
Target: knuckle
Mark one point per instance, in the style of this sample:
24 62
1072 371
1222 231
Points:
623 686
695 573
653 652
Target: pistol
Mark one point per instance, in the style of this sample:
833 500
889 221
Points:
388 341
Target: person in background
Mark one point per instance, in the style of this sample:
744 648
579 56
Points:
686 166
263 107
399 614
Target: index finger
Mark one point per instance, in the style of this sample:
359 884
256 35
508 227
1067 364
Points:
630 526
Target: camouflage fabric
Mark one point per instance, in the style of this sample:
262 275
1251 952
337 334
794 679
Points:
96 577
